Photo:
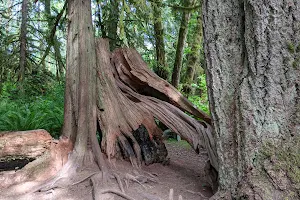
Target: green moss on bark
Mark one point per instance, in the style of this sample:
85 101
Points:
281 162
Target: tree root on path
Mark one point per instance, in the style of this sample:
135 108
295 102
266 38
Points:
121 194
119 182
62 185
198 193
97 194
137 177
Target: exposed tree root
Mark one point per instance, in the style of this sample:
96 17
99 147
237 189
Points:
198 193
121 194
97 194
119 182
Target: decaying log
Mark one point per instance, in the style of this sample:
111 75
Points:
29 144
30 156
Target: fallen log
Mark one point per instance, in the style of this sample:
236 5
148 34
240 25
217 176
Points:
22 152
29 144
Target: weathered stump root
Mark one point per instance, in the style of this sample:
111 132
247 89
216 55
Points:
132 95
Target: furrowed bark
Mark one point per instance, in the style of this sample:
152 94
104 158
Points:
250 50
133 71
80 95
117 114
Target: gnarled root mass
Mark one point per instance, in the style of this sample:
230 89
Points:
129 97
133 96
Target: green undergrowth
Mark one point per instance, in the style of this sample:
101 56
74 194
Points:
200 102
41 105
200 98
44 111
181 143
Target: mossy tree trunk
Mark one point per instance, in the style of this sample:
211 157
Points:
53 41
23 40
193 58
186 14
253 83
112 24
161 68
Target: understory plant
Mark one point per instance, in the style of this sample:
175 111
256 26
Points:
32 112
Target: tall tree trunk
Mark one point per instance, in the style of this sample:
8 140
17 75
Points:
80 99
253 83
52 38
9 13
112 25
58 57
162 68
180 43
53 41
193 58
23 39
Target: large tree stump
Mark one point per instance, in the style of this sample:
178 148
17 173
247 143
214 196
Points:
132 95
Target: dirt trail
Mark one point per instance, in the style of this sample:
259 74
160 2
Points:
184 174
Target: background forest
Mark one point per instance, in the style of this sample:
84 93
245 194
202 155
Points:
168 34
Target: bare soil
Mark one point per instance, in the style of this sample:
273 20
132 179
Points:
184 174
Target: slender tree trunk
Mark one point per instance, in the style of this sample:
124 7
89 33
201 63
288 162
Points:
53 41
7 27
180 43
193 58
113 19
253 83
162 68
101 29
23 39
58 57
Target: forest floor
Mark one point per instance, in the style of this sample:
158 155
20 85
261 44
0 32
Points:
184 174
